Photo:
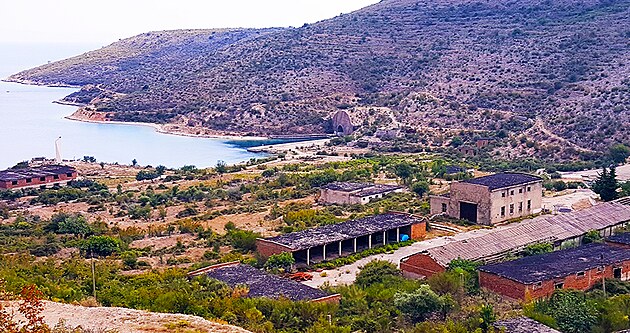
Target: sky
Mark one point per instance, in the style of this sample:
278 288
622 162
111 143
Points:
104 22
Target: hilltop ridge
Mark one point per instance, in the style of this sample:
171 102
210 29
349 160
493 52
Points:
555 70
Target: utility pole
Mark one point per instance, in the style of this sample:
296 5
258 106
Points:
93 274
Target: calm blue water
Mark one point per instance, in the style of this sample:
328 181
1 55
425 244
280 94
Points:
30 123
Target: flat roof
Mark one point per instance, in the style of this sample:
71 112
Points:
376 189
544 228
24 173
559 264
263 284
523 325
502 180
623 238
346 186
326 234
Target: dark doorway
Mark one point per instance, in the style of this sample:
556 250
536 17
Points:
468 211
617 273
340 130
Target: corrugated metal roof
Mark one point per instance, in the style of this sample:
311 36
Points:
550 228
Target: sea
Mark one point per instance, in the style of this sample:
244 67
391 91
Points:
30 123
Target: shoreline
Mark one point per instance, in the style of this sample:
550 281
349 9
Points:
160 129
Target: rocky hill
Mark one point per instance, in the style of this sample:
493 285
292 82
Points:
557 69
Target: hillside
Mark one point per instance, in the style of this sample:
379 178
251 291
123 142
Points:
112 319
550 69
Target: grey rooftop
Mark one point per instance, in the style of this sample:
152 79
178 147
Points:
503 180
326 234
559 264
263 284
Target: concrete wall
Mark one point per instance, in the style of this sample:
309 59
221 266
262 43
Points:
517 290
515 196
420 265
489 203
37 181
436 204
327 196
471 193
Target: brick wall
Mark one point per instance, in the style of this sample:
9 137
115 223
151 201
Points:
327 196
420 265
503 286
37 181
328 299
419 231
266 249
517 290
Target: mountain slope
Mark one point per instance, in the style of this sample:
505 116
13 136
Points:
483 65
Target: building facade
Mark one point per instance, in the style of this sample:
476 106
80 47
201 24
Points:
539 276
491 199
43 176
348 193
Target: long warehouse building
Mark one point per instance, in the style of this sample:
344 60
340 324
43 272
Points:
337 240
559 230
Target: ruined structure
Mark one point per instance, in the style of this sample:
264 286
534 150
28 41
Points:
347 193
43 176
491 199
342 125
262 284
522 325
538 276
560 230
336 240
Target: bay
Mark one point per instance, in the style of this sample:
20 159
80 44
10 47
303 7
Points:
30 123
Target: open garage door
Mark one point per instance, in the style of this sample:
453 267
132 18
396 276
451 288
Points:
468 211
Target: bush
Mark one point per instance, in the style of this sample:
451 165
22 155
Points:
376 271
418 305
243 240
279 261
101 246
535 249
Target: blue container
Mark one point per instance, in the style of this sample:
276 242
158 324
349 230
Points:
404 237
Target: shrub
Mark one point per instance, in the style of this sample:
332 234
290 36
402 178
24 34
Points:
419 304
102 246
376 271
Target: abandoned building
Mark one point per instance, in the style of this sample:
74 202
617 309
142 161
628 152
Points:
483 142
337 240
341 123
522 325
262 284
43 176
559 230
538 276
467 150
621 240
346 193
491 199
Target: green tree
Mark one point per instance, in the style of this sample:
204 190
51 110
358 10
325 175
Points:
606 184
487 316
221 167
573 312
134 162
74 224
279 261
535 249
592 236
102 246
619 153
419 304
376 271
404 170
420 187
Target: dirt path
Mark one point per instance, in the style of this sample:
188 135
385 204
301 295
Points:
102 319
